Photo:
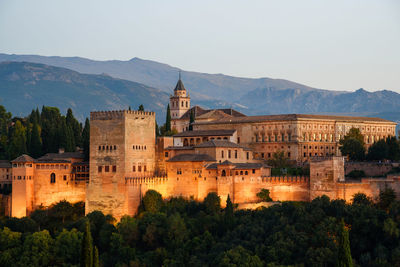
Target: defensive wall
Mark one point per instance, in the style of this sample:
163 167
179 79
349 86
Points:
371 169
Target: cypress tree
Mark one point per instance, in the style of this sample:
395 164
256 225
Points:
17 145
141 107
228 214
96 257
191 120
86 138
36 142
75 127
344 253
87 248
168 120
66 137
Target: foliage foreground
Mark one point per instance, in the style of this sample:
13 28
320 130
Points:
178 232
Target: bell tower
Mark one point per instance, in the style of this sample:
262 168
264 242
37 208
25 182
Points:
179 103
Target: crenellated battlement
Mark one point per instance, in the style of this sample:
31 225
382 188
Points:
286 179
146 180
118 114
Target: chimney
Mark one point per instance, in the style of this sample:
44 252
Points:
61 150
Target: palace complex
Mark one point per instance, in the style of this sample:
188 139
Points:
225 152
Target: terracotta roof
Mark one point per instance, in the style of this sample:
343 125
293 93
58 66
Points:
5 164
180 86
238 166
218 143
24 158
199 111
206 133
65 155
191 157
179 148
292 117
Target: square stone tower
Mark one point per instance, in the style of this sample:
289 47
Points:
325 174
122 144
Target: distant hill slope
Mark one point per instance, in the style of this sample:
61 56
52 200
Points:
24 86
201 86
250 96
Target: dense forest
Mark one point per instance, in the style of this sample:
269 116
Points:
41 132
178 231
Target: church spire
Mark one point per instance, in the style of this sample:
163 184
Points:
179 86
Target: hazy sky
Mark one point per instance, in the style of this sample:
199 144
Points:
340 45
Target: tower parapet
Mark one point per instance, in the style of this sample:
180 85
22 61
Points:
118 114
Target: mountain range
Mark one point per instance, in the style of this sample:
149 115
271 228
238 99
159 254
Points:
117 84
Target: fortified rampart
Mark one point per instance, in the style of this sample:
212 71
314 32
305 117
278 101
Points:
372 169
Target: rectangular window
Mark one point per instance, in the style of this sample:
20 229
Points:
238 140
134 168
254 171
262 155
100 168
235 154
166 154
229 154
65 177
144 168
247 155
106 168
139 168
114 168
222 154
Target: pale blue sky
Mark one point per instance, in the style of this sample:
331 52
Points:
339 45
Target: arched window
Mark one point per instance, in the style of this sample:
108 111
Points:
52 178
223 173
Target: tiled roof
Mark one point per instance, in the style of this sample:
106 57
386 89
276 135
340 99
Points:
238 166
65 155
292 117
206 133
218 143
24 158
191 157
5 164
179 148
199 112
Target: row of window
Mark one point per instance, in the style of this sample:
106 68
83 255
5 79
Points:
53 166
183 104
139 147
316 147
317 137
140 167
22 177
107 148
273 138
106 168
53 178
22 165
229 154
318 155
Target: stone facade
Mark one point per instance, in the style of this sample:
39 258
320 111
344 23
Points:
225 153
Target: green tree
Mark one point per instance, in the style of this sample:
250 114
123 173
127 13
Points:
212 203
87 248
67 247
50 124
141 107
263 195
152 201
352 145
17 145
5 121
10 246
378 151
239 256
168 120
36 142
352 148
86 138
66 136
191 120
278 160
344 253
96 262
394 148
361 199
75 126
386 198
37 249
